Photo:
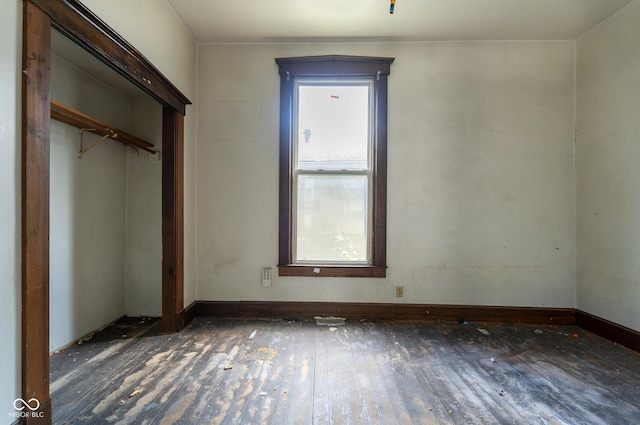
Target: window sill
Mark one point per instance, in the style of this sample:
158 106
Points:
332 271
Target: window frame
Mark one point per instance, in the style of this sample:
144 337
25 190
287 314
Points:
341 68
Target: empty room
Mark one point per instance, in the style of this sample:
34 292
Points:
320 212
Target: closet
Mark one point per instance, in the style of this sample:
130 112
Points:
105 197
79 24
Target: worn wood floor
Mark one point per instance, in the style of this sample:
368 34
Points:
295 372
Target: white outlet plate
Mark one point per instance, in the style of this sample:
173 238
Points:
266 277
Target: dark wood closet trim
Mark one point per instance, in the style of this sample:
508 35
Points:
36 62
74 20
67 115
172 219
78 23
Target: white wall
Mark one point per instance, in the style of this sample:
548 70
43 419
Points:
481 178
144 214
154 29
10 273
608 200
87 221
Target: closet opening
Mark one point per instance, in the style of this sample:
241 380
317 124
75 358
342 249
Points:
73 20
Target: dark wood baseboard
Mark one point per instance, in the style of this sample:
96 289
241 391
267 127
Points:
414 312
189 313
379 311
609 330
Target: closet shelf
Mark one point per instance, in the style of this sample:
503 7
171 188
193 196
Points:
67 115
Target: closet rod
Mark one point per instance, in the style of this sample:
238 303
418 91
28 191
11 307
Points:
67 115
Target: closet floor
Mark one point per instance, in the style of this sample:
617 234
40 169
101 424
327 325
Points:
295 372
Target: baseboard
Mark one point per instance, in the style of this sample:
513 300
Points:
85 337
609 330
380 311
415 312
188 314
412 312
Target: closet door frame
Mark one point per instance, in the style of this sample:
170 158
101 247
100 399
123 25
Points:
79 24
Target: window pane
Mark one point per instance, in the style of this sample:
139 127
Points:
333 127
332 218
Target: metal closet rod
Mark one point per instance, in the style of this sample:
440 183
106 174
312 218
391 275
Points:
67 115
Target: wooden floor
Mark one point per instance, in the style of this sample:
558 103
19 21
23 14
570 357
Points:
295 372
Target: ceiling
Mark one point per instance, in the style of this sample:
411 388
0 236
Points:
260 21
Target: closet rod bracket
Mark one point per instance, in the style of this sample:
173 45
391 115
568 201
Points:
110 134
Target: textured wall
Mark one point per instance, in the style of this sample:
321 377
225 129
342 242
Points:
88 201
481 204
10 274
154 29
608 200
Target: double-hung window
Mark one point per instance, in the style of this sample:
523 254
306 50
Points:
333 114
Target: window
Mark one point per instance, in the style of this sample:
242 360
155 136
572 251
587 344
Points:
333 148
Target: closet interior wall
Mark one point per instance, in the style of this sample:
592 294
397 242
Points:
105 237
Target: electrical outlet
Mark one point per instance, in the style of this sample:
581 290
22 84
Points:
266 277
399 291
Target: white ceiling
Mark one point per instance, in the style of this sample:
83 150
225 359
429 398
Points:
259 21
249 21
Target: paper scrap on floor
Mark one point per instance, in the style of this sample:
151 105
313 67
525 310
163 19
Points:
330 321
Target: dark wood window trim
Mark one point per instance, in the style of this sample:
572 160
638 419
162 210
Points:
334 66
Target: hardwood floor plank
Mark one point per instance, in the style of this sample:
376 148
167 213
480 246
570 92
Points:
383 377
380 409
224 371
322 412
296 405
419 404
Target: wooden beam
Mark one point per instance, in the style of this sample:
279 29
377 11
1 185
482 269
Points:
36 62
78 119
172 220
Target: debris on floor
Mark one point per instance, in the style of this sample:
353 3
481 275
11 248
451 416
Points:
466 322
538 331
227 367
483 331
85 339
330 321
135 393
333 329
